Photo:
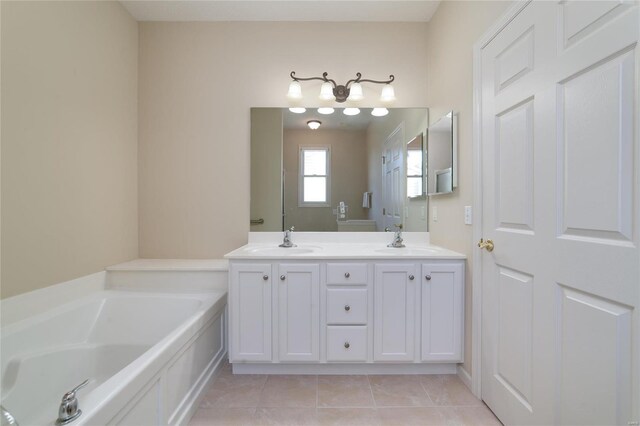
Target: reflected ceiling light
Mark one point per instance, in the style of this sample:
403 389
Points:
379 112
295 91
325 110
388 95
330 90
298 110
351 111
314 124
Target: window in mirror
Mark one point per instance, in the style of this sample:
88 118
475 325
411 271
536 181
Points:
313 183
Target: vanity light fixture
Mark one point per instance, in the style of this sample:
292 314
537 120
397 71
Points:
298 110
351 111
325 110
314 124
330 90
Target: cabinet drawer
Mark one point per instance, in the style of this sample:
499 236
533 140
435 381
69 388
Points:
347 273
346 306
346 343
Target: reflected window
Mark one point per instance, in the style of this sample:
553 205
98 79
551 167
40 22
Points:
414 173
314 178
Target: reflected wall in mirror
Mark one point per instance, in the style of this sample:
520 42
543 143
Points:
354 173
441 155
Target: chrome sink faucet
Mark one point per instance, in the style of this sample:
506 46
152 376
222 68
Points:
287 239
397 237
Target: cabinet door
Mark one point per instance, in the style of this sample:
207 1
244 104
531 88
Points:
442 311
299 312
394 312
250 309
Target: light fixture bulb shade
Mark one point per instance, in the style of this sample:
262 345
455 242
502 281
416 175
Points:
326 92
388 94
295 91
379 112
314 124
298 110
351 111
355 92
325 110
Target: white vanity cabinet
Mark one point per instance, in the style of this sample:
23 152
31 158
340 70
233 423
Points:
298 300
396 305
250 311
442 300
402 315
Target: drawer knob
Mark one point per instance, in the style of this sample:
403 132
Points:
411 277
265 277
282 277
347 345
428 277
347 308
347 275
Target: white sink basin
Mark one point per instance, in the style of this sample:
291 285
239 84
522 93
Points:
283 251
411 251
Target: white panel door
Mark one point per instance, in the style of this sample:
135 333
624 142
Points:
442 311
393 172
250 311
299 312
395 299
560 196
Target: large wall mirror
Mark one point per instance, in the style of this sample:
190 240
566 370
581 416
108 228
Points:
353 173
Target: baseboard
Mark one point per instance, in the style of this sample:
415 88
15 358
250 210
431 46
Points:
355 368
465 377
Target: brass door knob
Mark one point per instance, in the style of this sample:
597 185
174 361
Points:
486 245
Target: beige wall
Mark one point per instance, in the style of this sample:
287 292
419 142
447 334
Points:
348 176
266 168
69 141
198 82
451 34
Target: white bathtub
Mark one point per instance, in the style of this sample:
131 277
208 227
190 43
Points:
148 357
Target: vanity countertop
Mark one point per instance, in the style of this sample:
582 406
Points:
344 251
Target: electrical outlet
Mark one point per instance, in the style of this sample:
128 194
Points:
434 213
468 215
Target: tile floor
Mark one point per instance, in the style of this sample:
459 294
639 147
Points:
340 400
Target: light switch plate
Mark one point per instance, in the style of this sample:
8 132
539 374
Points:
434 213
468 215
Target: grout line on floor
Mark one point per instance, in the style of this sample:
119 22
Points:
375 404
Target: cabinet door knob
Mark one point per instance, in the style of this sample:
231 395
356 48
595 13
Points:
427 277
347 308
347 275
347 345
265 277
411 277
282 277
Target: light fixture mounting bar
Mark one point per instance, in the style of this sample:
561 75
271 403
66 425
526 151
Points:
341 92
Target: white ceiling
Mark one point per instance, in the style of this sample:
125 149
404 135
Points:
291 10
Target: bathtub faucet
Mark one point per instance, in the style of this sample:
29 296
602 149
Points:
7 418
68 410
